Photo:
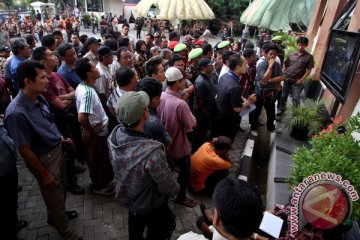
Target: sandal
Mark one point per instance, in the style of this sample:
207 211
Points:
202 209
187 202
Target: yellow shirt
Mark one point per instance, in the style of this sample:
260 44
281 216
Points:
205 162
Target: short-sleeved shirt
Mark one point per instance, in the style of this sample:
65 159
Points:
297 64
260 72
206 91
57 86
16 60
69 75
178 120
87 101
31 123
229 97
205 162
92 57
104 84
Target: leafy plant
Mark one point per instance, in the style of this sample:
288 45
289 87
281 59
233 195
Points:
332 151
307 116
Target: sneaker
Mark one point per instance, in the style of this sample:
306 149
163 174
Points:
254 133
107 191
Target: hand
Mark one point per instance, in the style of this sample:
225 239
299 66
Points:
67 141
49 181
271 62
252 98
299 82
98 127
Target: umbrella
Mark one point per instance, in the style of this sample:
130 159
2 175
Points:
176 9
277 14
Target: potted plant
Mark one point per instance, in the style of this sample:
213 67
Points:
305 120
334 150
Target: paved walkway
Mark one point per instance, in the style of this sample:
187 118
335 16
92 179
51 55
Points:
100 217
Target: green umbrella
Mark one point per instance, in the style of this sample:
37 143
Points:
278 14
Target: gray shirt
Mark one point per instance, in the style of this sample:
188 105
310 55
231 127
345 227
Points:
260 72
31 123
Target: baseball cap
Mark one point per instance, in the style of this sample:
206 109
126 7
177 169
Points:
276 38
131 106
4 48
223 44
172 44
104 51
199 42
196 52
205 62
91 40
173 74
155 48
179 47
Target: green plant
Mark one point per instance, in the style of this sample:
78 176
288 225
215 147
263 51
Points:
307 116
333 152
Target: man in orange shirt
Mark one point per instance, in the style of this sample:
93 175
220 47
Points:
210 164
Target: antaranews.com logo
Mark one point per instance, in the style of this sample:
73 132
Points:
323 199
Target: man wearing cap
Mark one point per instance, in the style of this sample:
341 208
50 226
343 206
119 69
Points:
178 120
144 181
104 85
181 49
92 44
94 121
205 109
193 69
223 46
155 51
277 40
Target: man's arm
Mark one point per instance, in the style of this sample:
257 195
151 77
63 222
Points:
83 119
303 78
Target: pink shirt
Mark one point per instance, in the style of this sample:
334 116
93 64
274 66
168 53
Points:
177 119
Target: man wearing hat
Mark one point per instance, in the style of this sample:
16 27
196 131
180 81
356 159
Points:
205 109
193 69
223 46
144 181
277 40
178 120
92 44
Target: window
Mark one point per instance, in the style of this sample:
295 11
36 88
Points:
95 6
342 22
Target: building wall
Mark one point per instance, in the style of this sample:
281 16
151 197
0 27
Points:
319 36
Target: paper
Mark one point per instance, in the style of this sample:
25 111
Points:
247 110
271 224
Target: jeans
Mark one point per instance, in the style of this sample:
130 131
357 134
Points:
268 102
295 92
160 224
184 174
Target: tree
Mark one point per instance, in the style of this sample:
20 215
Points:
8 4
228 9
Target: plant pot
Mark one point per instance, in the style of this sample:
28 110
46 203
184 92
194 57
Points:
299 133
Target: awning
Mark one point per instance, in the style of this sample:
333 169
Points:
176 9
278 14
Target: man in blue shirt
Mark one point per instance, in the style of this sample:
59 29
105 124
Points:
68 57
32 127
21 51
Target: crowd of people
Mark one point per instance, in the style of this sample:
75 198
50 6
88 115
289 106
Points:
152 119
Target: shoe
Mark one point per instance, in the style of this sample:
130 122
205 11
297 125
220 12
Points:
106 191
254 133
21 224
70 214
76 189
79 168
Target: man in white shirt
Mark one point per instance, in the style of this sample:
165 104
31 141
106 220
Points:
225 58
92 44
94 121
105 84
237 212
125 34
